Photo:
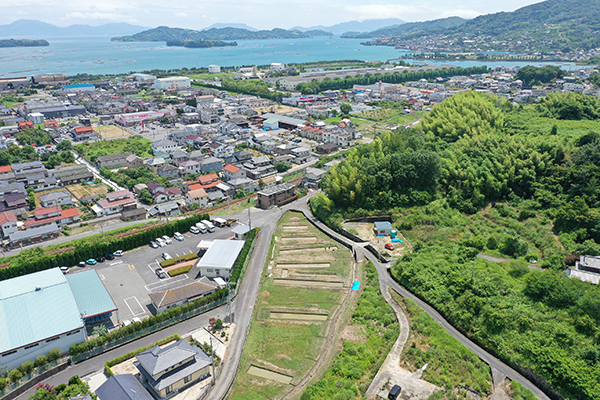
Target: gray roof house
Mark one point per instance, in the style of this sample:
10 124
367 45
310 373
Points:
123 387
56 199
167 371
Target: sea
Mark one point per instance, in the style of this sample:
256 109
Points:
98 55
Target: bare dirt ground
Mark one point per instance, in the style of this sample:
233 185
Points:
111 132
366 232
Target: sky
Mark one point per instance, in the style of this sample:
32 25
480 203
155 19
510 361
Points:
260 14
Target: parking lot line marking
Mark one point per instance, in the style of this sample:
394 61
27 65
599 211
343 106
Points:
139 304
165 282
116 262
102 277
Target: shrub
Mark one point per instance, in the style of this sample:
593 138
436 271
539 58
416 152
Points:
2 384
180 270
27 367
15 375
41 360
53 355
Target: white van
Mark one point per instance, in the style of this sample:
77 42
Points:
201 227
209 226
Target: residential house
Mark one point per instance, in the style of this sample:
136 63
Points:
231 171
62 198
17 203
113 161
197 196
165 145
8 224
327 148
242 156
7 174
168 171
154 163
173 193
179 156
83 133
276 195
211 164
208 115
220 150
134 215
23 170
41 181
73 174
34 235
155 187
134 161
190 167
139 187
166 209
313 177
300 154
269 181
115 202
244 184
123 387
171 369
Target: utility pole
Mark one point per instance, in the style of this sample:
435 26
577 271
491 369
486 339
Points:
212 357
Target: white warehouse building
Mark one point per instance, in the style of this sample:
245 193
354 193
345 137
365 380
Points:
174 82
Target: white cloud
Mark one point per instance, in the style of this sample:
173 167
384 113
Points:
380 11
181 14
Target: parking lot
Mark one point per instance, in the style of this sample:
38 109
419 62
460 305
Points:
130 278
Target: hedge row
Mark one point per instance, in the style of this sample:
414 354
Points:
181 270
134 353
239 263
79 348
173 261
34 260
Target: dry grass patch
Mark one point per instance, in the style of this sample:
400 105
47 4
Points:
80 191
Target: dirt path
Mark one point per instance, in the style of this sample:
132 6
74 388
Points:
392 362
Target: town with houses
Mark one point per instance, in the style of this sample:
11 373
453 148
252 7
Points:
196 148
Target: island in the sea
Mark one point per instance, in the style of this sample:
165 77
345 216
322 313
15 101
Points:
23 43
198 44
165 34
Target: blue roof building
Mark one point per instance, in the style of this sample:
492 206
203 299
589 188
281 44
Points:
383 228
92 298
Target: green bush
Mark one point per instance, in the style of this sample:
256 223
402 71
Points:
15 375
27 367
176 260
53 355
180 270
41 360
2 384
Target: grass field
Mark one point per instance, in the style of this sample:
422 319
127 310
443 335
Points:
290 321
136 144
80 191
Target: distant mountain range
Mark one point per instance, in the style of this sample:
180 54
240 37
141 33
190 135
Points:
355 26
165 34
36 29
220 25
409 28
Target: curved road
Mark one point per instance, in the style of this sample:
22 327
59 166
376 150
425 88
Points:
499 369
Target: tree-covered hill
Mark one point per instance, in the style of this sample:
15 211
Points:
517 182
165 34
23 43
424 27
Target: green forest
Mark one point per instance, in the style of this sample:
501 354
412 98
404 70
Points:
23 43
479 175
165 33
197 44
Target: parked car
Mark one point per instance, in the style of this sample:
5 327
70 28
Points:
153 244
161 273
394 392
389 246
194 230
160 242
110 256
81 264
101 259
166 256
167 239
91 261
64 270
178 236
119 253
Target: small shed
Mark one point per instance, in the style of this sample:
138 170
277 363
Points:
241 231
383 228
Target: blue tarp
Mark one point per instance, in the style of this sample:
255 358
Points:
396 240
355 285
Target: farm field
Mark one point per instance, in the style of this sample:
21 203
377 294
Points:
79 191
298 306
135 144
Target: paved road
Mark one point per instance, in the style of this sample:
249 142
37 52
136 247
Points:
499 369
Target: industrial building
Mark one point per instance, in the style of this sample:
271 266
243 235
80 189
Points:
174 82
47 310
